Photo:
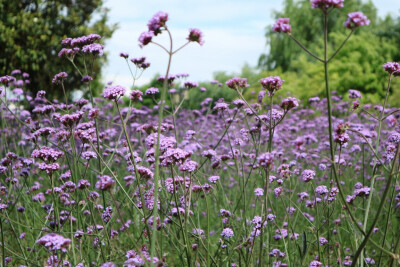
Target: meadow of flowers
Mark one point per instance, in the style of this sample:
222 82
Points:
272 182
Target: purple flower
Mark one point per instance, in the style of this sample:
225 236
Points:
282 25
325 4
323 241
105 182
321 190
124 55
353 94
308 175
259 192
356 19
213 179
151 91
272 84
195 35
391 67
265 160
89 155
315 264
49 168
94 49
145 38
289 103
59 78
227 233
189 166
190 85
87 79
114 92
54 242
237 82
157 22
47 154
136 95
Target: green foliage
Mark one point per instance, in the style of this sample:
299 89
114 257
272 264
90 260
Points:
357 66
31 38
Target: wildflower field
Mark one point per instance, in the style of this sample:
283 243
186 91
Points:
278 181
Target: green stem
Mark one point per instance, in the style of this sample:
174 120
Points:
380 208
157 150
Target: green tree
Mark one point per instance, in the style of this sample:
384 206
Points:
357 66
31 34
307 28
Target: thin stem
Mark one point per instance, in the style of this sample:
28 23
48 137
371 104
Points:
380 208
3 256
376 157
157 150
341 46
305 49
181 47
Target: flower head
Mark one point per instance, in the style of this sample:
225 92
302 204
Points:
195 35
356 19
392 68
151 91
325 4
282 25
59 78
354 94
114 92
124 55
145 38
227 233
272 84
237 82
157 22
136 95
105 182
54 242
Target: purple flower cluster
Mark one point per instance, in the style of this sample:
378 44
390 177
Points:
54 242
282 25
195 35
356 19
272 84
114 92
325 4
237 82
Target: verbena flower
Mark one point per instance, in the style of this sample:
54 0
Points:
353 94
356 19
59 78
54 242
325 4
237 82
272 84
151 91
114 92
157 22
124 55
195 35
282 25
227 233
105 182
391 67
145 38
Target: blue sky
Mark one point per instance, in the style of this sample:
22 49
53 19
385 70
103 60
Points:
233 32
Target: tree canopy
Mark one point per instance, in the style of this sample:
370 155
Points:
357 66
32 31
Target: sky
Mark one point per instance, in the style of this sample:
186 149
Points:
233 33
